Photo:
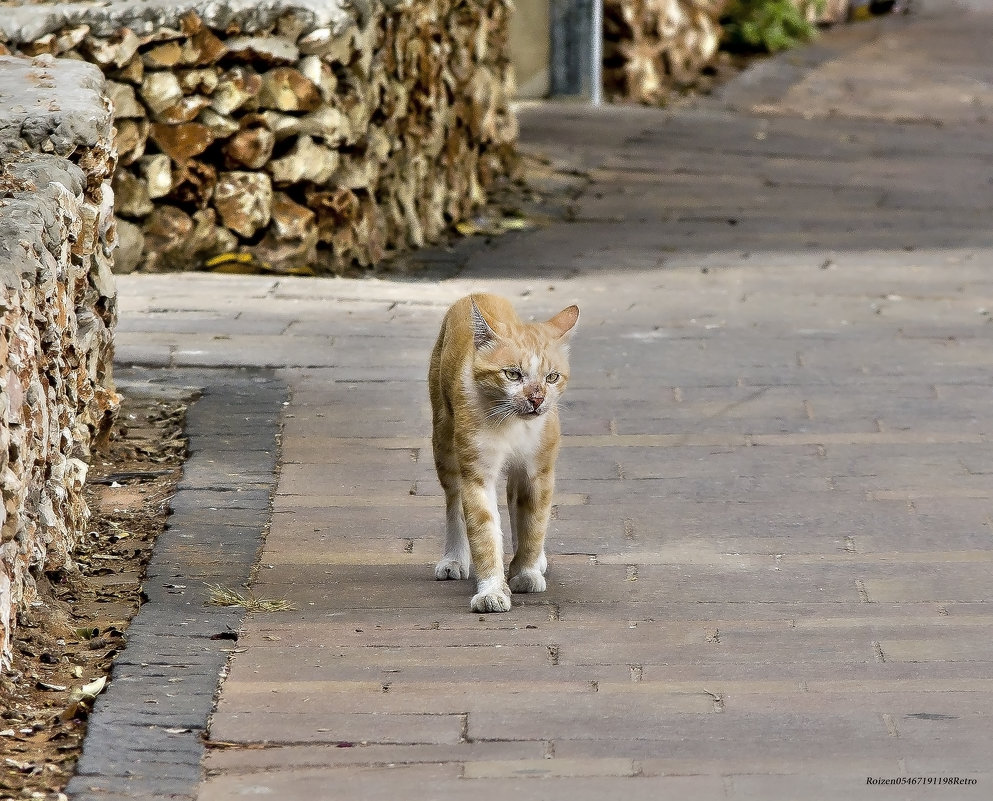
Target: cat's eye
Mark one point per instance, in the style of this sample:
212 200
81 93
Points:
512 374
551 378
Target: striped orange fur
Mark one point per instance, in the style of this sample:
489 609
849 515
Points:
494 383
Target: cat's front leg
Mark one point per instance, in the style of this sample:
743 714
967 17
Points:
531 500
486 546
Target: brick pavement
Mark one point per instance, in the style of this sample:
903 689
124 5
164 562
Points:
770 554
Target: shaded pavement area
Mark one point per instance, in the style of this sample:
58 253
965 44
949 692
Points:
770 558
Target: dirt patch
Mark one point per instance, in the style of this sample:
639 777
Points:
73 638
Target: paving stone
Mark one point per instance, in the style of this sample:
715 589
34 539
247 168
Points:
140 738
333 671
443 783
867 673
129 765
232 498
203 560
229 323
131 786
708 757
382 625
267 662
252 727
282 758
136 349
548 768
193 350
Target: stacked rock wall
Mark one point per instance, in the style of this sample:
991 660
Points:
653 48
310 135
58 308
656 48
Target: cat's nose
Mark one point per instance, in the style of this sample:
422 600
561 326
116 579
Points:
536 399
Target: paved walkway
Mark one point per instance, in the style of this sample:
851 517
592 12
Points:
771 550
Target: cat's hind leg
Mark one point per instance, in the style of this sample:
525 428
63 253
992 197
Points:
512 508
456 562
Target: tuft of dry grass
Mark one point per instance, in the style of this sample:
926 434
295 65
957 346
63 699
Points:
225 596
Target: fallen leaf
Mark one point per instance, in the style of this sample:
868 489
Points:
229 258
516 224
90 691
55 688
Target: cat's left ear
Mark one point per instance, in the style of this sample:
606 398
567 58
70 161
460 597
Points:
563 322
482 334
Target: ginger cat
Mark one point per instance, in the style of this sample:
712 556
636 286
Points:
494 383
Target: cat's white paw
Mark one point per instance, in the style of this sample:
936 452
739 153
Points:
528 580
543 563
495 601
451 569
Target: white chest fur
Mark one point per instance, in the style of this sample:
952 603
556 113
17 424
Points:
514 442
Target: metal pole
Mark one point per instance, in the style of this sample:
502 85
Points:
596 54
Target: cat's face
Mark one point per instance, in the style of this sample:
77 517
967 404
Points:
521 370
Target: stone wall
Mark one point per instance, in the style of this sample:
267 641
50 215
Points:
306 135
58 308
655 49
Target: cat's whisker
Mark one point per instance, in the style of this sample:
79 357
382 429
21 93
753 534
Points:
501 413
497 411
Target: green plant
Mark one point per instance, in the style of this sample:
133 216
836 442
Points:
769 25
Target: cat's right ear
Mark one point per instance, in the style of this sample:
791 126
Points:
563 322
482 334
